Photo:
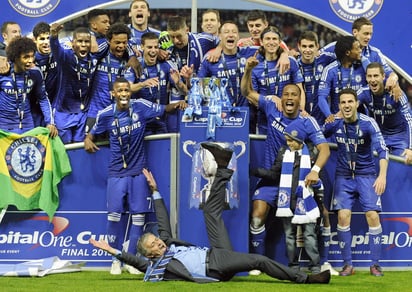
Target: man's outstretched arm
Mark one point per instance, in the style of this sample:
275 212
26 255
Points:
162 215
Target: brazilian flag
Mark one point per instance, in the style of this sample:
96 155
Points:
31 166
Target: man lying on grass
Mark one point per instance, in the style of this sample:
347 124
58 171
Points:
167 258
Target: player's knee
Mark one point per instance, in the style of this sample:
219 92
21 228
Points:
114 217
256 223
259 213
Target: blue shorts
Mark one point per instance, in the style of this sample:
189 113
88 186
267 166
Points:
268 194
71 126
18 130
130 193
396 144
347 190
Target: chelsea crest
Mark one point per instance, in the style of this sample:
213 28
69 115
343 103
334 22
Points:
350 10
34 8
25 159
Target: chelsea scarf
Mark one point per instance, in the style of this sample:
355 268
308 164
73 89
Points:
156 270
285 184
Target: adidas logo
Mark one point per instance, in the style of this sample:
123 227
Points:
255 243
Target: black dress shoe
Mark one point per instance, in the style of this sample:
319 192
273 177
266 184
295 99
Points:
222 155
321 278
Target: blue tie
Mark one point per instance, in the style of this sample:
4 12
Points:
155 272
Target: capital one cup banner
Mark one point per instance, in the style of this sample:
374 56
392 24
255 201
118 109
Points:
28 235
81 215
396 220
82 212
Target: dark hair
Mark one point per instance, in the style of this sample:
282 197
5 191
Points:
121 80
148 36
227 22
273 29
80 30
344 44
5 24
310 36
95 13
293 85
19 46
375 65
359 22
118 28
41 27
255 15
147 3
176 22
348 91
212 11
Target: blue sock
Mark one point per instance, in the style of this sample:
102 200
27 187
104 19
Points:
375 243
344 238
113 234
324 245
136 230
257 240
134 235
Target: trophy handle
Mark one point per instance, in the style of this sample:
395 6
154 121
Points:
242 146
186 144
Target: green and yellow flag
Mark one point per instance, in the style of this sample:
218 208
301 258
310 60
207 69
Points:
31 166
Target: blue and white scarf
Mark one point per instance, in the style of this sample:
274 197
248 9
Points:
285 184
156 270
306 210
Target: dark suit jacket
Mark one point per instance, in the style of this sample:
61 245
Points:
175 270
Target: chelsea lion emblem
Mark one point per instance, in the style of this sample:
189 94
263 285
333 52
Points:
25 159
34 8
350 10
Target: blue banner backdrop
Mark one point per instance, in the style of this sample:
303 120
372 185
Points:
396 219
27 235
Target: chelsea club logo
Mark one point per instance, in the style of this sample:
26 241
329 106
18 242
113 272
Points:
34 8
25 159
350 10
283 199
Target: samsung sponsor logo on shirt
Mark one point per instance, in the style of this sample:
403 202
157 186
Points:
351 141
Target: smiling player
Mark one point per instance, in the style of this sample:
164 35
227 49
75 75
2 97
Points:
264 197
125 122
